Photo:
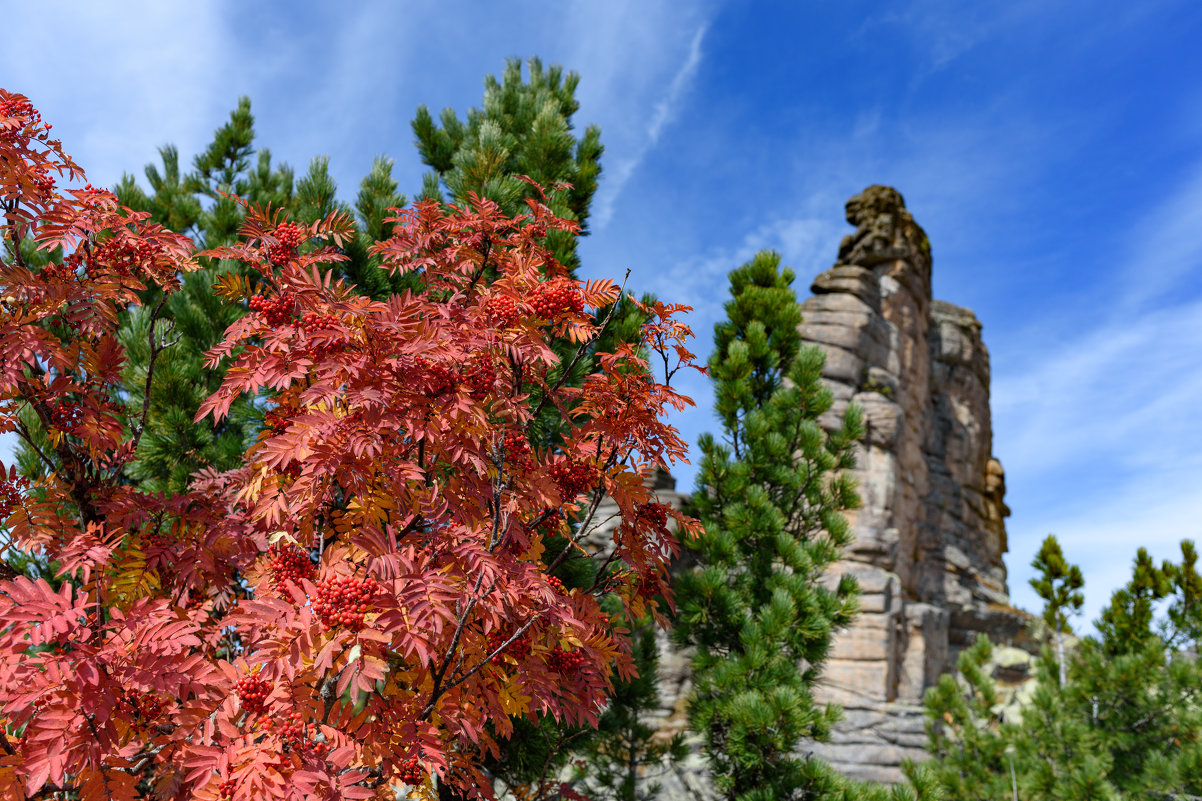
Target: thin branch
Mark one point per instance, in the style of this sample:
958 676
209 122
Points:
450 685
24 434
155 348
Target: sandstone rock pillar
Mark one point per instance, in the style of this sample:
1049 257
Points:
930 534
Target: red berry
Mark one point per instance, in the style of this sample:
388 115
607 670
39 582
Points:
502 309
143 707
519 649
277 419
566 662
317 322
411 772
433 378
10 494
276 313
122 256
289 237
343 601
66 416
653 514
481 378
57 272
289 563
516 452
573 477
557 298
252 693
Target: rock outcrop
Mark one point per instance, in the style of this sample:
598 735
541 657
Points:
930 534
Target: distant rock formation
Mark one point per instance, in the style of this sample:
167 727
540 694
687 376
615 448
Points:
930 534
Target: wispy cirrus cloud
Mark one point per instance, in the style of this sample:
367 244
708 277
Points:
1100 430
661 116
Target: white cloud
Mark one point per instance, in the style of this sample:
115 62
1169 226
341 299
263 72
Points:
1165 249
118 81
661 116
1101 532
1100 433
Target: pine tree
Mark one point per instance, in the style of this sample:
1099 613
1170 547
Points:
1052 754
202 205
1115 718
967 737
524 128
772 499
1137 689
1059 585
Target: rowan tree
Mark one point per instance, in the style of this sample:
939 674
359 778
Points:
364 603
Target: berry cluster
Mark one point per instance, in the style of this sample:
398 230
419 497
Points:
554 299
437 378
10 495
158 541
66 416
317 351
556 585
318 322
573 477
142 707
411 772
502 309
252 693
565 662
289 237
57 272
289 563
653 514
551 520
277 419
293 730
343 601
226 789
295 734
122 257
480 379
647 586
519 649
276 312
517 451
25 115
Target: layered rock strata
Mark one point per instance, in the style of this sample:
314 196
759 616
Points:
930 534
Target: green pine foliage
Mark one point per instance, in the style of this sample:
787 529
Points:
772 499
524 128
967 738
1116 718
173 341
1059 585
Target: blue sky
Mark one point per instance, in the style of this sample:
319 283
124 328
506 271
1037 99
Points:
1052 151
